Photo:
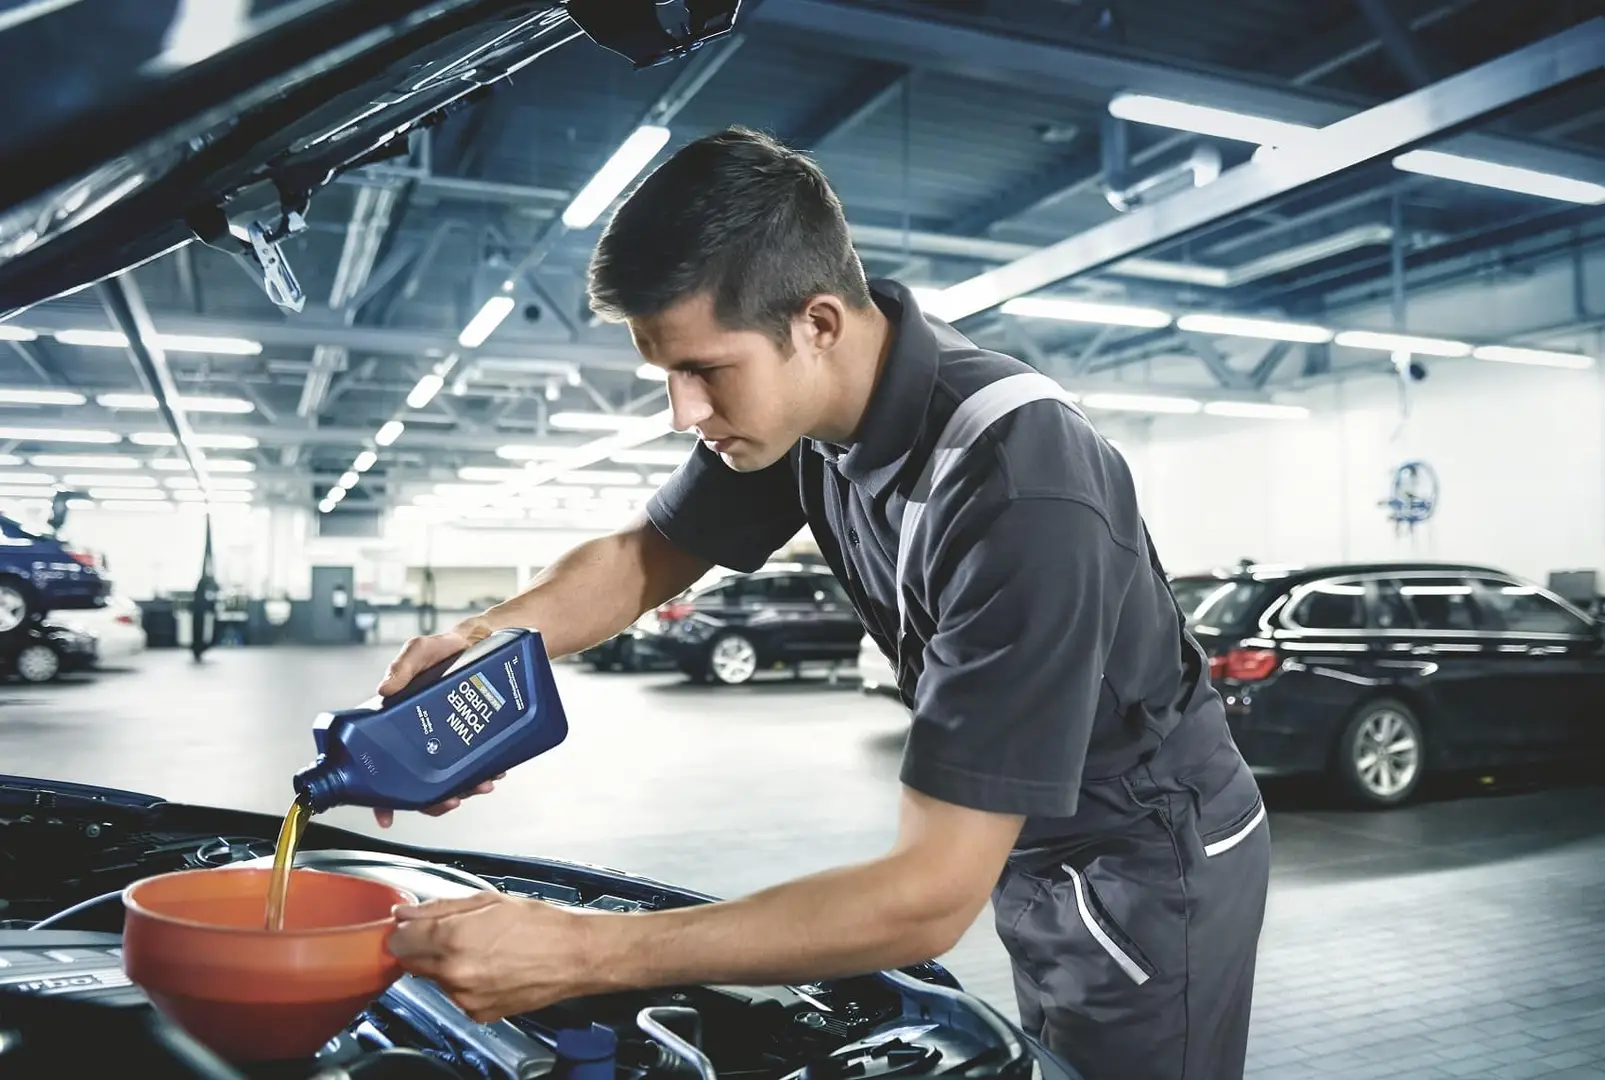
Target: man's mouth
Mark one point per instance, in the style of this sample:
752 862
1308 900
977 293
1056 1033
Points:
720 446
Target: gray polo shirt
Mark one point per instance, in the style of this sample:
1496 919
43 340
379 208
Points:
1044 650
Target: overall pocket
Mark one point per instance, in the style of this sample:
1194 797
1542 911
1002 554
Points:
1104 930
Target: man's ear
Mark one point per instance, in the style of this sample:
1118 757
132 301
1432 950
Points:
823 322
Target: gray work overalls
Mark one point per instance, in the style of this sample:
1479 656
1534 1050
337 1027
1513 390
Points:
1134 941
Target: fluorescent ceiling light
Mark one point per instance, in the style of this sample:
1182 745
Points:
125 493
425 391
113 339
601 477
1509 354
389 433
1039 307
1505 177
205 442
612 178
1141 403
26 478
1256 410
651 373
188 404
213 465
69 435
121 506
16 333
26 396
481 325
650 457
10 459
487 474
219 483
365 461
335 495
348 479
130 480
533 453
218 496
84 461
1267 329
1407 343
574 421
1203 120
658 479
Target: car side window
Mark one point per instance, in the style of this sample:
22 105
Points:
1439 603
792 589
1392 610
827 590
1522 609
1332 605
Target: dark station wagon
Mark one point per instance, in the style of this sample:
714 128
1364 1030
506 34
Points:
1379 673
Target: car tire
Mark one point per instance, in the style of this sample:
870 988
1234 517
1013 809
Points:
37 664
732 659
18 604
1381 755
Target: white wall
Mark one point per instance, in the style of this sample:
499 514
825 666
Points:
1519 454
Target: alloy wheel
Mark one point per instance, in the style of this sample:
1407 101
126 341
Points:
733 659
1386 753
13 608
38 663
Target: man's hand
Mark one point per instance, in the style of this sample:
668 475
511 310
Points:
496 955
417 655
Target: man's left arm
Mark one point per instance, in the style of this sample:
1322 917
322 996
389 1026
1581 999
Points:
498 955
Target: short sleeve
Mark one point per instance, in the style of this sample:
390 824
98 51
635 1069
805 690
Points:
1014 673
733 519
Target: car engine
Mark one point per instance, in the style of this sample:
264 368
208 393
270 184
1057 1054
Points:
66 1007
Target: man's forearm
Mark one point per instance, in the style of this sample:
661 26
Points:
847 921
594 591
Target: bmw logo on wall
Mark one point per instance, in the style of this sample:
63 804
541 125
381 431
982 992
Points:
1413 495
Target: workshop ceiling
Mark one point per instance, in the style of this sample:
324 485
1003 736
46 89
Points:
961 136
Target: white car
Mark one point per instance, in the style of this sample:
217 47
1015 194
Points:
118 628
875 674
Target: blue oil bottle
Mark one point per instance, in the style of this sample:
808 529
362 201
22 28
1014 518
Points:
455 725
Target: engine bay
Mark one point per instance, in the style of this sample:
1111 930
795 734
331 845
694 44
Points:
65 1004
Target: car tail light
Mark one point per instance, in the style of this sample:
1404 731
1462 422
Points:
126 620
673 612
1244 665
83 558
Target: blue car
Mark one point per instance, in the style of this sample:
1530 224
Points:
40 574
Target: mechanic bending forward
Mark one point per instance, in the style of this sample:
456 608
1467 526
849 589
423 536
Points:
1067 754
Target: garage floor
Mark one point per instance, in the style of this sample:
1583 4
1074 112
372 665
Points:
1462 937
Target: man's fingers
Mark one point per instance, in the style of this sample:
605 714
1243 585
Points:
385 818
439 909
442 808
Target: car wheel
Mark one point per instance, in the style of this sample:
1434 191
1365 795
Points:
1382 753
38 664
15 604
732 660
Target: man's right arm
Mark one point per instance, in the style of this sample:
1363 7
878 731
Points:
591 593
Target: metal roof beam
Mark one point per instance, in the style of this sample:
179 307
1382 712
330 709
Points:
310 330
865 95
1408 121
1097 74
1396 38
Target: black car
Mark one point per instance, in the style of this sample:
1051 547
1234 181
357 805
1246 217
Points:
68 1009
39 651
779 617
1378 673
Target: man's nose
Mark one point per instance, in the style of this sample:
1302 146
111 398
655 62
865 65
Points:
688 405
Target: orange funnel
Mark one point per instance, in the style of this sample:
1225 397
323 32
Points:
194 942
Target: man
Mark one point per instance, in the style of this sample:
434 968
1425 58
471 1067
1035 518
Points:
1067 754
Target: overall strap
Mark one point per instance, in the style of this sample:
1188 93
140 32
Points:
975 414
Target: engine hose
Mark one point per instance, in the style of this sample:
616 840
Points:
67 913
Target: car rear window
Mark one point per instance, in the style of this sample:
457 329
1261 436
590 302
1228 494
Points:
1223 604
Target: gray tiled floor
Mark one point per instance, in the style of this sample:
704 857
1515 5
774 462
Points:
1463 937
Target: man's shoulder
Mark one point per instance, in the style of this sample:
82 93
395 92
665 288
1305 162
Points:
1041 450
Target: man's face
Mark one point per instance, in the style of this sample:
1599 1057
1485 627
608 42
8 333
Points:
744 397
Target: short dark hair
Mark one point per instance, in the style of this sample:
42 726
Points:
739 216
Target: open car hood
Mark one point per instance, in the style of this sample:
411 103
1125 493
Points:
66 1008
133 129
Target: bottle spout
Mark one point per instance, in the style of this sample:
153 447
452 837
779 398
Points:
317 785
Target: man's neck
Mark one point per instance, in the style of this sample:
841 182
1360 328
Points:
858 362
